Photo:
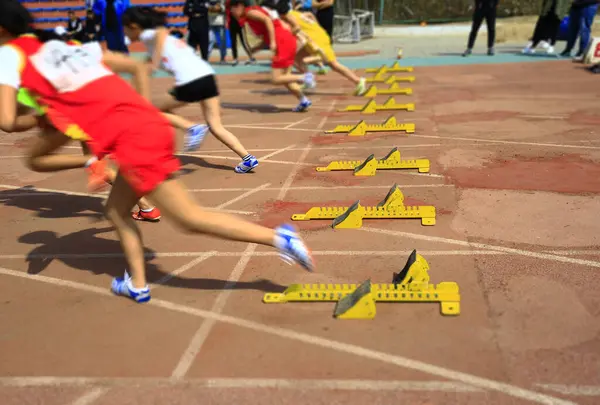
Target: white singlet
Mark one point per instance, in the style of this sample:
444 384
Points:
178 58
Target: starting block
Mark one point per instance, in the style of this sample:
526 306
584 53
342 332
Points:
372 107
354 301
370 166
390 69
361 129
392 207
394 89
380 78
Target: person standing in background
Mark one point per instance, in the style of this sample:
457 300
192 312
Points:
484 9
91 27
235 31
581 19
198 26
74 27
216 19
325 15
547 26
111 31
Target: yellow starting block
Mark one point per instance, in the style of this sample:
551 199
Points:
392 207
390 69
394 89
372 107
354 301
370 166
361 129
381 78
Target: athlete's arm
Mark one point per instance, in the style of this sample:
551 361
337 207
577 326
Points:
291 20
258 16
10 81
161 37
120 63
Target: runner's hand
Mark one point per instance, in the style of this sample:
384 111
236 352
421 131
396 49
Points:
273 48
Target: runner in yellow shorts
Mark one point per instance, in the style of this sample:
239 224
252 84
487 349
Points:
317 44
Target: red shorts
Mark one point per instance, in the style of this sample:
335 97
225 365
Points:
286 49
143 149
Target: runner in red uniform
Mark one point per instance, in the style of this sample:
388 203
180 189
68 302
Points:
276 35
86 100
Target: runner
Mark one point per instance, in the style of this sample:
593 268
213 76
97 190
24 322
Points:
83 98
276 35
316 43
195 80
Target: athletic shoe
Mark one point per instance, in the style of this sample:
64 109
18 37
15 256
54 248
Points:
194 137
153 215
361 87
235 63
292 248
491 52
303 106
97 176
466 53
250 61
246 165
578 58
123 286
309 81
322 70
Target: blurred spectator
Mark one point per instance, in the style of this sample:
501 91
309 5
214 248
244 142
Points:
198 25
581 19
325 15
91 27
111 12
216 19
547 26
61 32
484 9
235 31
74 27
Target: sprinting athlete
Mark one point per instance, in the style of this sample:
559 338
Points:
75 83
275 34
195 80
317 43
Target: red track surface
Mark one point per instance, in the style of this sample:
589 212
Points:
514 151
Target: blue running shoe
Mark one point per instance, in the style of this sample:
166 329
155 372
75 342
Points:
194 137
292 247
303 106
123 286
246 165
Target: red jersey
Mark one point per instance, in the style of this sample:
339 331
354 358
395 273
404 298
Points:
260 30
79 92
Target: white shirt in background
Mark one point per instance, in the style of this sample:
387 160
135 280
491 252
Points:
178 58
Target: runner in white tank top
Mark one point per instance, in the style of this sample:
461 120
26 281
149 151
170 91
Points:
195 81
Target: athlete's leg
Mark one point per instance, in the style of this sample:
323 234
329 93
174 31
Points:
211 109
175 202
195 133
41 158
118 211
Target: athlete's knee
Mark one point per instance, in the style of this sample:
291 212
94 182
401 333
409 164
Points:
33 163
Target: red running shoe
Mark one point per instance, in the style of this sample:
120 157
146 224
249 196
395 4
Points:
152 216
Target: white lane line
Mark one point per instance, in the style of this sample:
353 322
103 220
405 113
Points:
577 390
195 345
276 152
164 279
338 346
89 397
298 384
520 252
293 124
353 253
242 196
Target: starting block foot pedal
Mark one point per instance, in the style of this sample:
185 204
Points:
357 305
